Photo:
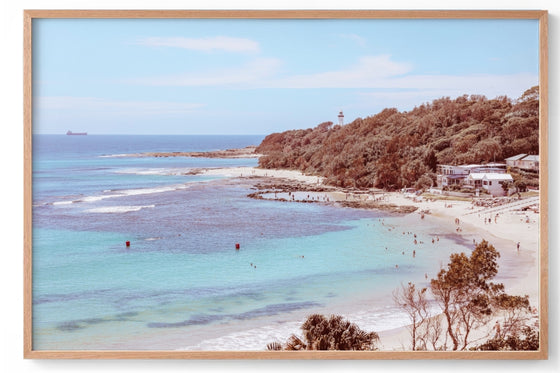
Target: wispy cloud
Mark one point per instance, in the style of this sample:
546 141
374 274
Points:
407 92
382 73
368 72
208 44
114 107
249 74
359 40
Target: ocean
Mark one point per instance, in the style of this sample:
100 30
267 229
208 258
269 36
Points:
181 284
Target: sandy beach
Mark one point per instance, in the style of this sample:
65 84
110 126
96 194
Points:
504 226
261 172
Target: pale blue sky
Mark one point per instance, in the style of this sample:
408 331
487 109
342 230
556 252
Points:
263 76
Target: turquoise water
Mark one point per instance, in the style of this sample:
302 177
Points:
182 281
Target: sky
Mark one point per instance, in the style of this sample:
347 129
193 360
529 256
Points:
194 76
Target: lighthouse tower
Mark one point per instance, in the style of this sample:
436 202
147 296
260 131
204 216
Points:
341 118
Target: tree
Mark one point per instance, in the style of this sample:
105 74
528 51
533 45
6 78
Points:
388 172
526 340
431 160
528 103
506 186
516 311
415 304
520 186
468 300
424 182
464 291
332 333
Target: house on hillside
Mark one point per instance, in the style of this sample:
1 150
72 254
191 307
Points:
530 163
448 175
490 181
446 169
524 162
515 160
475 180
448 180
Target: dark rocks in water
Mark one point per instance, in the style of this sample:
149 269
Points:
287 186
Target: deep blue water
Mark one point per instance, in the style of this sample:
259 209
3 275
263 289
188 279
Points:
181 279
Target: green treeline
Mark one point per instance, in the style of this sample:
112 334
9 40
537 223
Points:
393 149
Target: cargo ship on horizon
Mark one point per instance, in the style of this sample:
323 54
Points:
70 133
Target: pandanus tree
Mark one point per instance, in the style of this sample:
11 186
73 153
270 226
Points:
332 333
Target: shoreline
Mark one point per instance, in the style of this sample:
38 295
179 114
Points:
503 228
246 152
518 270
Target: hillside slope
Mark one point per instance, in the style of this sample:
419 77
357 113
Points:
394 149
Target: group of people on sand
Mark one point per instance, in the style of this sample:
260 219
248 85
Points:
489 219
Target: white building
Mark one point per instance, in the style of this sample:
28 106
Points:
524 162
530 162
492 182
475 180
458 175
341 118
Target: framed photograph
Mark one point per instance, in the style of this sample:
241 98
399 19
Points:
286 184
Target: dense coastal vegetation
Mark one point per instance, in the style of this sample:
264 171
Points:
393 149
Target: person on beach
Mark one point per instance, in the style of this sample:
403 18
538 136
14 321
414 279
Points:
497 328
518 246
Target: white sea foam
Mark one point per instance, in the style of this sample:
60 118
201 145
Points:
123 193
118 209
255 339
142 191
152 239
249 340
57 203
155 171
118 155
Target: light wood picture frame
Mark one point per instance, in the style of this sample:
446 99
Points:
33 108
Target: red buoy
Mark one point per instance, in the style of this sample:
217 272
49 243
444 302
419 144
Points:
237 246
127 243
